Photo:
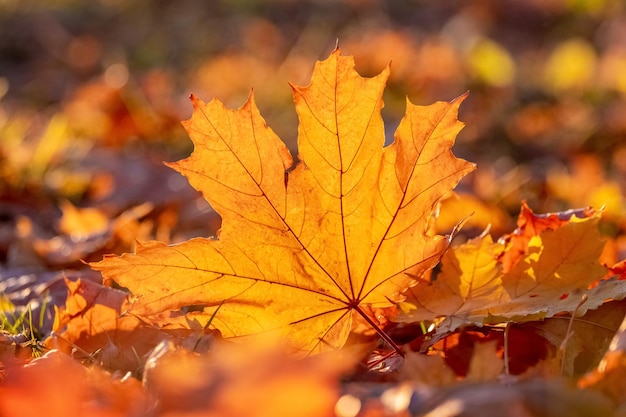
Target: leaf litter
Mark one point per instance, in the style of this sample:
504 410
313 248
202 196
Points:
349 230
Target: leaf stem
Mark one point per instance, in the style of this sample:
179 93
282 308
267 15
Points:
380 332
563 347
507 369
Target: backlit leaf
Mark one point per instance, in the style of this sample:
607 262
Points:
551 275
303 247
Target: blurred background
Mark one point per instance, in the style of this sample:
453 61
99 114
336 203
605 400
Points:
92 93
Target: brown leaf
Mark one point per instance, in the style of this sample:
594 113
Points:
427 370
485 364
608 376
585 341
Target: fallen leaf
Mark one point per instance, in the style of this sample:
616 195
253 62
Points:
427 370
57 385
526 349
485 364
237 380
302 248
608 376
530 224
79 223
584 339
585 182
551 277
480 215
84 233
35 293
95 326
533 398
619 269
18 347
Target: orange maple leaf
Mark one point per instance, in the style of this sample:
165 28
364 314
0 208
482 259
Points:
91 327
530 224
551 274
302 248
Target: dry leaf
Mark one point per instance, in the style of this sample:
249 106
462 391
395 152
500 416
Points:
90 321
480 215
584 342
302 248
57 385
79 223
427 370
95 326
530 224
526 349
84 233
485 364
239 381
551 276
608 376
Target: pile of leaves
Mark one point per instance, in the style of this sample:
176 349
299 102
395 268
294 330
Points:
338 284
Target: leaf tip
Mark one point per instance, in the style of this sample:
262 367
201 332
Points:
462 97
250 101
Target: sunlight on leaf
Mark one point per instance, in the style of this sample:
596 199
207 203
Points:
302 248
557 263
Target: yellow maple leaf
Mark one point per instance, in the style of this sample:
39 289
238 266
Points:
302 248
552 275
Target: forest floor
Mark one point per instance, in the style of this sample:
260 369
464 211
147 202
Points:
91 99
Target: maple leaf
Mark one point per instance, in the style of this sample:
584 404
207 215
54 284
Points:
480 284
582 341
608 376
90 326
530 224
302 248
